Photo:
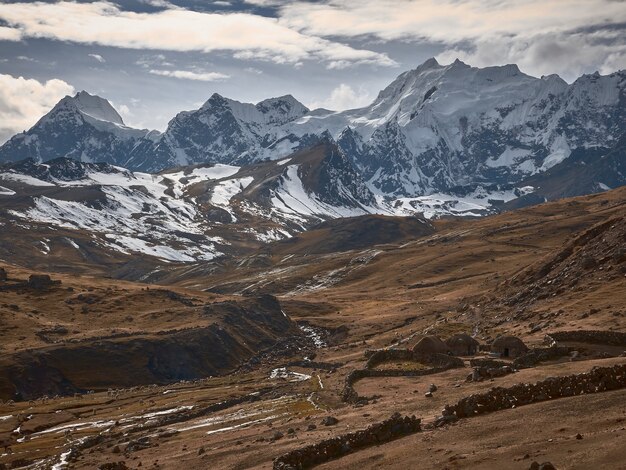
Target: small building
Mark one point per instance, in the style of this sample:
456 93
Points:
509 346
462 345
41 281
430 345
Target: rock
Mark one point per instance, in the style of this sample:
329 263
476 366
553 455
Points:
138 444
587 262
41 282
311 427
276 436
619 255
579 436
432 388
201 451
547 466
428 394
3 275
116 450
291 431
113 466
330 421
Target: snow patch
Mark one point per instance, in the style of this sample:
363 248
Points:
283 373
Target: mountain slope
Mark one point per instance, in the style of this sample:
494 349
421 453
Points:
188 214
222 130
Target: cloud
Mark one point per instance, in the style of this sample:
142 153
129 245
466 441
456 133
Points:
150 61
98 57
568 56
124 111
175 29
10 34
344 97
448 20
189 75
23 101
543 36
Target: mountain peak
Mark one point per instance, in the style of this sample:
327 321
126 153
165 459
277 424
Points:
214 99
94 107
429 64
281 109
459 64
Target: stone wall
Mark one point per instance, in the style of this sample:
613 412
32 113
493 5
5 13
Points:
613 338
384 355
329 449
480 373
537 355
441 363
435 359
599 379
487 362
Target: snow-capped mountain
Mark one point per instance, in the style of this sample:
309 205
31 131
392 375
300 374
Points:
83 127
222 130
433 130
193 213
205 211
437 127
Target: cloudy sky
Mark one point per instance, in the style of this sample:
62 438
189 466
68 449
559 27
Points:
153 58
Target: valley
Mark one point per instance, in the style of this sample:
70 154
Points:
340 292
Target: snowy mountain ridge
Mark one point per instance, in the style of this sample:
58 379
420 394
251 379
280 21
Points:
434 128
207 211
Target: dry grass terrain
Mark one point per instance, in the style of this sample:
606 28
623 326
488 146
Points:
557 266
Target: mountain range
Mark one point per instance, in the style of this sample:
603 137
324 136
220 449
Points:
439 140
433 128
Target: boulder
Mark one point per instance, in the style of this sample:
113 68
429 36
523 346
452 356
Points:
329 421
41 282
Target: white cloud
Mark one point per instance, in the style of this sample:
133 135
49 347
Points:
568 56
10 34
448 20
124 111
189 75
543 36
176 29
98 57
344 97
23 101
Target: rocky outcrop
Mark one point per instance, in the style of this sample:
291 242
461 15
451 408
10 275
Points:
235 332
41 282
